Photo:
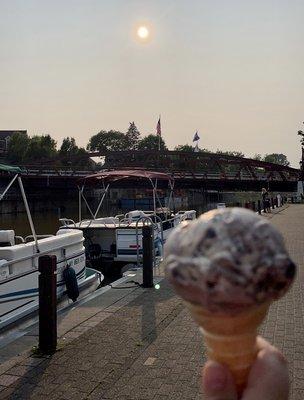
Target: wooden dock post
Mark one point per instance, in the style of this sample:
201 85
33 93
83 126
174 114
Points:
47 304
147 235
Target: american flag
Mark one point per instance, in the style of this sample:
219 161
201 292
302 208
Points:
158 128
196 137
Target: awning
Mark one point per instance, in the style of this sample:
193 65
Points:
9 168
116 175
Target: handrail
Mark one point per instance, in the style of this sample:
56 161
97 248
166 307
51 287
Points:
88 223
66 220
20 238
98 221
126 221
186 214
27 238
113 221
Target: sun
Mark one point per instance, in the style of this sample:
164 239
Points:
143 32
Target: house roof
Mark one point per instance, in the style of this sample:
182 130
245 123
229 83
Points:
5 134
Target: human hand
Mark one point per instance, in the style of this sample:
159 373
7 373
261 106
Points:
268 378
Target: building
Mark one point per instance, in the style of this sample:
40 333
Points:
5 138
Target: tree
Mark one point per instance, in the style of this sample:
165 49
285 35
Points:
107 141
152 142
277 158
17 147
184 147
302 139
70 153
39 148
188 147
83 160
132 137
68 147
231 153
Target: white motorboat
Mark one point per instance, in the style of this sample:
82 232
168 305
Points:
112 242
19 259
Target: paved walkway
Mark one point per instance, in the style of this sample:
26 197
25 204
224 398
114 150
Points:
144 345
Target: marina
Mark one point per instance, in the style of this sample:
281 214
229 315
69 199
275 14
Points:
97 250
103 244
132 343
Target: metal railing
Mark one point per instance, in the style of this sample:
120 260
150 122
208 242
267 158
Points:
41 253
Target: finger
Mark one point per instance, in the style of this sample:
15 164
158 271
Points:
263 344
218 383
268 378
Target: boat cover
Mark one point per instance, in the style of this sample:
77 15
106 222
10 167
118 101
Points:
9 168
116 175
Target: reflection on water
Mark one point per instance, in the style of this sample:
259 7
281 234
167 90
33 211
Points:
48 222
45 223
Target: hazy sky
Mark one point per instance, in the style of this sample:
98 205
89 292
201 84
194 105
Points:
231 69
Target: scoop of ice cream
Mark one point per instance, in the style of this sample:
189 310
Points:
228 260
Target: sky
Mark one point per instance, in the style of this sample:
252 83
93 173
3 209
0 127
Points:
231 69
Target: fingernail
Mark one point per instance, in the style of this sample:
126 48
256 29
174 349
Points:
215 377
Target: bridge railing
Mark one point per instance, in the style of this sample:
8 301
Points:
243 175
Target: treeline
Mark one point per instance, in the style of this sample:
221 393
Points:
23 149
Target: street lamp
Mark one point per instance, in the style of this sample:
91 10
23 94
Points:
301 133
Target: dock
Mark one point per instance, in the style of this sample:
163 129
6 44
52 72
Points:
130 343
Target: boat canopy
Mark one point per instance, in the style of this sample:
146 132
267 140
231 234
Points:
17 171
9 168
106 177
116 175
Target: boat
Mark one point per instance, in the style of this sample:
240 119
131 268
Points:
114 241
19 259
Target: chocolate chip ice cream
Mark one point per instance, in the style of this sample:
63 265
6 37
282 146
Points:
228 260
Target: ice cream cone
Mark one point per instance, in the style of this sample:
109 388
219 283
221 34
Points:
231 340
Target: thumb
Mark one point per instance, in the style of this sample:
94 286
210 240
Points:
268 377
218 382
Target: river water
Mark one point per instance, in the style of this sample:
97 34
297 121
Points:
45 222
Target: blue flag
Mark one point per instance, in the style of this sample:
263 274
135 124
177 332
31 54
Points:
196 137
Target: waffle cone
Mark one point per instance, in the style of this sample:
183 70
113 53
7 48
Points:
231 340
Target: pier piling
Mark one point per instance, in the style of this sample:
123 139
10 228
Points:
47 304
147 235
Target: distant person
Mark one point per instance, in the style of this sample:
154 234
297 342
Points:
279 199
266 201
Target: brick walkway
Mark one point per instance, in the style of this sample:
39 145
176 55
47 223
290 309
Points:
146 346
